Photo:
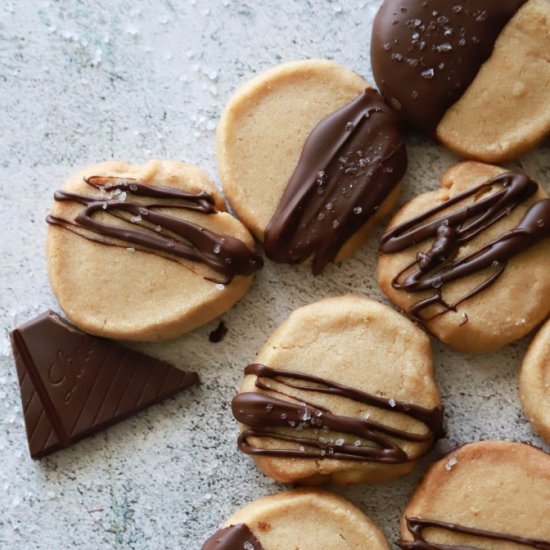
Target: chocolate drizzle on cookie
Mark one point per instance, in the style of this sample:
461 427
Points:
305 424
152 230
425 53
416 527
235 537
440 265
350 163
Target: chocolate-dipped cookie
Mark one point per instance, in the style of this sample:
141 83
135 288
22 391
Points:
310 158
145 252
342 391
471 260
307 519
534 382
493 495
473 73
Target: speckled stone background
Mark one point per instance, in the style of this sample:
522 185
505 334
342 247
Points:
83 81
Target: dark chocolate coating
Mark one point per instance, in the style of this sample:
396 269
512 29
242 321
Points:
234 537
425 53
154 231
264 413
74 385
350 163
416 526
438 265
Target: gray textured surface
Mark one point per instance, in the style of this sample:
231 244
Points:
84 81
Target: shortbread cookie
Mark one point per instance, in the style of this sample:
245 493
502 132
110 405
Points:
474 73
342 391
534 382
310 158
471 260
493 495
305 519
145 252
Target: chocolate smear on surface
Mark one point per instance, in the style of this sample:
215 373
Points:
235 537
425 53
416 527
138 205
218 334
74 385
350 163
440 265
306 423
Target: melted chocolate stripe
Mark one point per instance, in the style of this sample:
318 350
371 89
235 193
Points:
426 53
350 163
235 537
263 413
416 526
438 266
223 253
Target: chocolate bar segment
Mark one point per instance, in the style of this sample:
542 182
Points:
74 385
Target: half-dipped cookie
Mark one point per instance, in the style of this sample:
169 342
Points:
471 260
473 73
493 495
145 252
342 391
310 157
534 382
304 519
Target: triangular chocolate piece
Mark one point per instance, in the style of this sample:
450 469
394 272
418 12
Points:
73 384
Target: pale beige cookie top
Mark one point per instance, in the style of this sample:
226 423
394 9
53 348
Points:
495 486
261 137
264 126
309 519
534 382
357 343
499 314
125 293
506 109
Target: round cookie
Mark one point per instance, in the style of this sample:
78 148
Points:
460 258
343 391
472 73
309 160
307 519
534 382
145 252
491 495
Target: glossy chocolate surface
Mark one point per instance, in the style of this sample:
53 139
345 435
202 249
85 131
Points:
425 53
152 230
304 424
350 163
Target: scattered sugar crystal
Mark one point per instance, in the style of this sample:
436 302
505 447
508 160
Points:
217 249
392 403
427 74
452 462
339 442
357 210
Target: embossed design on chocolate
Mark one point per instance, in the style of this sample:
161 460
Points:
74 385
416 527
425 53
234 537
439 265
350 163
305 424
153 231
